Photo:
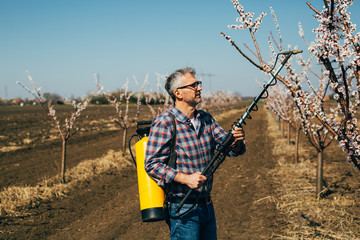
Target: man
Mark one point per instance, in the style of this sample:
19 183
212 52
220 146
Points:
197 135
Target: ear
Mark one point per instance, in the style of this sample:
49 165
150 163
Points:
178 94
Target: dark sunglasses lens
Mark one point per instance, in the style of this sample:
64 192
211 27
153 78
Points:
194 85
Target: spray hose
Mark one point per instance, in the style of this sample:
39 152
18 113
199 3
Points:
141 132
132 156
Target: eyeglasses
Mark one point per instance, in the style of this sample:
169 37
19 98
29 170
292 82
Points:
194 85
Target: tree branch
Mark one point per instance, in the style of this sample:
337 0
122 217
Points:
241 52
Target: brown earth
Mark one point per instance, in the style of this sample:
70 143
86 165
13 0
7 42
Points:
107 207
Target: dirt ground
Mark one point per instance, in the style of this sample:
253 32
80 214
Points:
108 207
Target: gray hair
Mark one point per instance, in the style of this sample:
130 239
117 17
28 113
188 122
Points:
175 79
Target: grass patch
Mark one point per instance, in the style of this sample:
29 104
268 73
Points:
16 201
229 113
333 215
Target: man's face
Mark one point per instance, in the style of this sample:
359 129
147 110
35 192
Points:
190 90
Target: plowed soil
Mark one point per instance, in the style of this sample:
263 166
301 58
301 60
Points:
107 207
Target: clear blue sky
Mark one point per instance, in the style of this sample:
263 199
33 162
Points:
63 43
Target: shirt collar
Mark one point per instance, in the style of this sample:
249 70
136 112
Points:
181 116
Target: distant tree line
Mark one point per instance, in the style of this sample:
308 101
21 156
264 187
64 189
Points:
54 98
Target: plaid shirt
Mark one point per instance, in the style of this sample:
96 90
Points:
194 150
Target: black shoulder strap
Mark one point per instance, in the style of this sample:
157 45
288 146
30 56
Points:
172 160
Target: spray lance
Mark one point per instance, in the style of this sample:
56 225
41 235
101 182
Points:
224 148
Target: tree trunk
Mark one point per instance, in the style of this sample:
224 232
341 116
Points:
288 132
297 140
63 161
319 172
124 142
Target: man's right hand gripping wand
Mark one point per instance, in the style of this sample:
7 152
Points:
224 148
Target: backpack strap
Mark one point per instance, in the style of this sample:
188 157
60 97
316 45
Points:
172 160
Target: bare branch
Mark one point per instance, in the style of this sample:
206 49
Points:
241 52
312 8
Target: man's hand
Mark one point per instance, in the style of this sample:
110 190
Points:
239 137
193 181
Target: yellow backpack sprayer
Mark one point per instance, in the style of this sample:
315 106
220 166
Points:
152 197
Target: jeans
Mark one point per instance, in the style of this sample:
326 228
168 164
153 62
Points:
199 223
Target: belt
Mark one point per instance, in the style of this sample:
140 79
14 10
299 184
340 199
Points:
203 200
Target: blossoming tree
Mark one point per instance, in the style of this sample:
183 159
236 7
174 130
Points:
121 118
158 101
280 104
336 48
66 130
